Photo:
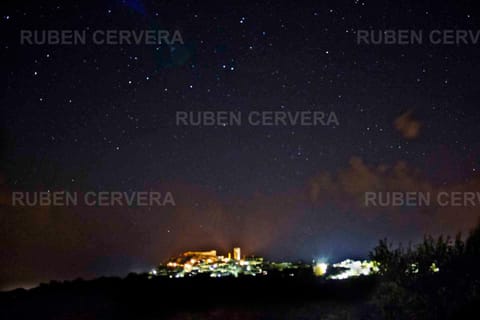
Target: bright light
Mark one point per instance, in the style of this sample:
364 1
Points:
414 268
434 267
354 269
320 269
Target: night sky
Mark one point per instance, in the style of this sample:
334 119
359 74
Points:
102 117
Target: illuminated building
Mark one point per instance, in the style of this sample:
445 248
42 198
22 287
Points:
237 254
211 253
192 263
350 268
208 263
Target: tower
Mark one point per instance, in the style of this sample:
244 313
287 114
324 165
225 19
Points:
236 253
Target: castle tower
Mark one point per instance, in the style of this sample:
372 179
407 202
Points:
236 253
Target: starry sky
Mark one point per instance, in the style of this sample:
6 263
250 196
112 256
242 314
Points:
102 117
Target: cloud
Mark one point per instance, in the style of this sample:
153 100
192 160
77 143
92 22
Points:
407 125
346 191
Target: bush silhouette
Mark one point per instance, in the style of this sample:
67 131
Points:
436 279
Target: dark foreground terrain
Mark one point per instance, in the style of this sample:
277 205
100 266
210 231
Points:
137 297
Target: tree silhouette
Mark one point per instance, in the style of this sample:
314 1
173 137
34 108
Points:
436 279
